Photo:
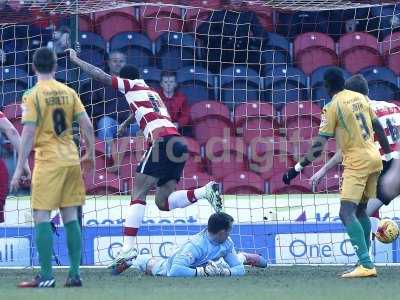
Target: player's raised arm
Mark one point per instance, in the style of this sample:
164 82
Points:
95 72
380 134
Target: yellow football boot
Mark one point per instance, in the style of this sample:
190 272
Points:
360 271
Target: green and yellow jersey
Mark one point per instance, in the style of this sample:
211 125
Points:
52 107
348 118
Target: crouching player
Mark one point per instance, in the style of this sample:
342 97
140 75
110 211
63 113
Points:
209 253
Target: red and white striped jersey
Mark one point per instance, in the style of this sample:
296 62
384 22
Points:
389 117
149 110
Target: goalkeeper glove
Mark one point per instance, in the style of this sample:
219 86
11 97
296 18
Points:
212 269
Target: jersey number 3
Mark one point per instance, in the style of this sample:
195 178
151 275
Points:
59 122
363 125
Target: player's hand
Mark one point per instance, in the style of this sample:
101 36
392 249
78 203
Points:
314 180
87 163
15 181
72 54
289 175
210 269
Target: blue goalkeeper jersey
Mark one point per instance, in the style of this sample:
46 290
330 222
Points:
198 251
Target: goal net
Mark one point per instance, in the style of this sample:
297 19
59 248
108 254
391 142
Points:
252 76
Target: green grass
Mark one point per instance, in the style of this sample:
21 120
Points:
276 283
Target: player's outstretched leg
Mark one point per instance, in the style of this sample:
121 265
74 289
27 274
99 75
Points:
44 244
357 237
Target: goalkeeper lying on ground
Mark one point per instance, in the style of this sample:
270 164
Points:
208 253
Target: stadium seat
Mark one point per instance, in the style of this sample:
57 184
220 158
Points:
275 52
194 180
194 16
101 183
382 83
301 120
137 47
313 50
264 14
194 162
86 23
210 119
359 50
225 156
157 20
239 84
13 83
175 50
193 146
151 76
116 22
244 183
299 185
331 181
195 83
13 111
391 51
93 48
254 120
67 76
317 90
285 85
383 20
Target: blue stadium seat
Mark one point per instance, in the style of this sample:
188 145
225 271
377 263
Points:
175 50
382 83
317 90
16 55
93 48
151 76
240 84
285 85
136 46
337 20
196 83
275 52
13 83
382 20
291 24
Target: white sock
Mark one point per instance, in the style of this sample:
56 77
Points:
373 205
374 224
200 193
134 217
181 199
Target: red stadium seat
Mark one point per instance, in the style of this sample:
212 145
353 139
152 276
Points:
193 181
359 50
86 23
193 146
13 112
254 120
243 183
116 22
298 185
226 156
391 51
301 120
313 50
210 119
101 182
156 20
331 182
194 17
264 14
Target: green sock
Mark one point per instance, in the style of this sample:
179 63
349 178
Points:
44 244
74 243
357 238
366 226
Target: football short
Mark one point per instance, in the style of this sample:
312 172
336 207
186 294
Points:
358 187
164 160
380 195
56 187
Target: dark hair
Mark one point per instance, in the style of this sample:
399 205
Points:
167 73
357 83
333 80
129 72
219 221
44 60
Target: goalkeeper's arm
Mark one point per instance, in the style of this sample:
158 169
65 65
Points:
236 267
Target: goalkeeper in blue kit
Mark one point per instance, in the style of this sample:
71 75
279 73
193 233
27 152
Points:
211 252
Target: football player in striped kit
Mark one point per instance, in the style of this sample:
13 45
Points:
389 117
163 162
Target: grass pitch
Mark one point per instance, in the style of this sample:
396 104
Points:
280 283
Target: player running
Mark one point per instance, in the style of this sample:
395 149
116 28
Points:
48 110
350 119
161 165
208 253
389 117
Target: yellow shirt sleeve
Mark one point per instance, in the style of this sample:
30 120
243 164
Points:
328 121
79 109
30 109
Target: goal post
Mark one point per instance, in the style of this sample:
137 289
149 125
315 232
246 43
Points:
252 74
